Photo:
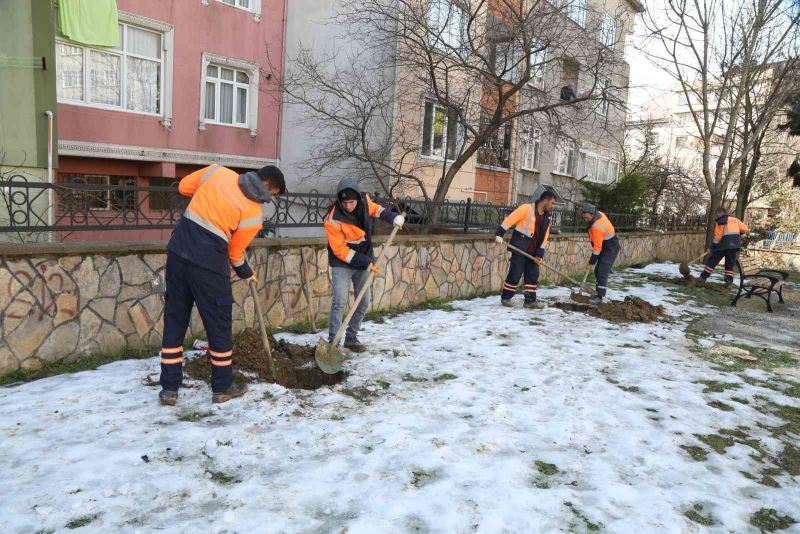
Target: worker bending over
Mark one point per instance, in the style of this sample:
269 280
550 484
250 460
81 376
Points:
348 226
605 248
223 217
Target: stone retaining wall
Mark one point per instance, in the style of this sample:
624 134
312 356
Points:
69 300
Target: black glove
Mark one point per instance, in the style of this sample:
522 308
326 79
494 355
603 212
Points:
593 259
243 271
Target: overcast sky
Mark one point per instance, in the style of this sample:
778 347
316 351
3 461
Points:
646 79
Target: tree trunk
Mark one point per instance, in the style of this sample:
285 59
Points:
746 183
711 220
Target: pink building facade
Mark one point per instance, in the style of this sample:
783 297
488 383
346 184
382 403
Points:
189 85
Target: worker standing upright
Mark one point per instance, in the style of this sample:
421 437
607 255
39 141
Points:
726 244
605 248
223 217
531 223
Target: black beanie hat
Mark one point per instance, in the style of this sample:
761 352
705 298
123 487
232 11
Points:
348 194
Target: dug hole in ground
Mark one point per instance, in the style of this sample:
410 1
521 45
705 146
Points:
468 418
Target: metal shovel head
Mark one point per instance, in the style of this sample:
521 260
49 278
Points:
684 269
329 358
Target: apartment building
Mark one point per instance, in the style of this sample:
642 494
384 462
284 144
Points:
182 88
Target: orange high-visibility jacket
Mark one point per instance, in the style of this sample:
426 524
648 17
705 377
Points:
221 209
728 233
351 244
523 220
600 231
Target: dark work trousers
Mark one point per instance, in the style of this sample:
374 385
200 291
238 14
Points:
608 255
188 284
518 266
713 261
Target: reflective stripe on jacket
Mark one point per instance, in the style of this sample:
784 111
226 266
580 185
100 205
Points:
219 222
728 233
523 220
350 244
600 231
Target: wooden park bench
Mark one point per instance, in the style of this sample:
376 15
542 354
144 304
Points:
757 281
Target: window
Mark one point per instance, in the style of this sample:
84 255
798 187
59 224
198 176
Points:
226 95
507 60
244 4
103 198
601 108
447 25
576 10
530 147
608 30
129 77
570 69
496 151
598 164
229 93
681 141
441 133
538 59
565 157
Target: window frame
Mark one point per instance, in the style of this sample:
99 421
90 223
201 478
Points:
252 70
499 138
604 158
131 196
608 31
166 47
602 106
218 81
530 137
576 11
255 8
566 144
439 36
537 68
457 135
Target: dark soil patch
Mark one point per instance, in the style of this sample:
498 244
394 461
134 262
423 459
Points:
632 309
295 365
691 282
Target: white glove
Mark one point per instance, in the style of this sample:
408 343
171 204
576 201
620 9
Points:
498 239
399 221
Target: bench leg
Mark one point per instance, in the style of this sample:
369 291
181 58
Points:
780 296
769 303
736 299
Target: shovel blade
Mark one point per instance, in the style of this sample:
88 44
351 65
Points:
684 269
329 359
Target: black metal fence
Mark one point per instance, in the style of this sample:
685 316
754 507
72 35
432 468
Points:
25 207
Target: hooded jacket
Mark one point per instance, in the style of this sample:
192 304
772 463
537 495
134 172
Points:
350 234
223 217
728 233
523 220
602 235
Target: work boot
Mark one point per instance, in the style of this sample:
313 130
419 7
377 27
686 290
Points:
532 304
595 299
506 303
237 389
168 398
354 345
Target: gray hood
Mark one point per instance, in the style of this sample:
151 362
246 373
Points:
253 188
348 183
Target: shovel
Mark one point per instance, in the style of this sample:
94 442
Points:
583 286
264 338
329 357
684 266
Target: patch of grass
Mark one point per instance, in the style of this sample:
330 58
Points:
301 328
420 478
337 417
719 405
444 376
85 363
411 378
698 454
193 417
716 442
630 389
714 386
793 390
545 468
590 526
382 383
82 521
222 478
770 520
740 400
612 381
360 393
694 515
789 459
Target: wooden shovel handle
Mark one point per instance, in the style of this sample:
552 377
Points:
364 289
568 277
264 337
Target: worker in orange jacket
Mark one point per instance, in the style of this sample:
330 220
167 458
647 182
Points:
223 217
727 242
605 248
531 224
348 226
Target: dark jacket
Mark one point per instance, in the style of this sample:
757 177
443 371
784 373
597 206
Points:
523 220
728 233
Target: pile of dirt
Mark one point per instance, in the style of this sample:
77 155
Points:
632 309
691 282
295 366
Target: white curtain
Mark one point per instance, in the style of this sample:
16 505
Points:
105 76
144 83
226 103
211 98
70 71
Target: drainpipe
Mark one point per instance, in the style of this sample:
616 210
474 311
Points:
50 196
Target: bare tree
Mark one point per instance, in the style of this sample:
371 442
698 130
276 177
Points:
717 51
479 65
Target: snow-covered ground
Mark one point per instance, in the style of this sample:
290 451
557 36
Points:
446 418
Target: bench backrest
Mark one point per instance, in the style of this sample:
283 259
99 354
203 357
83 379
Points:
749 265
